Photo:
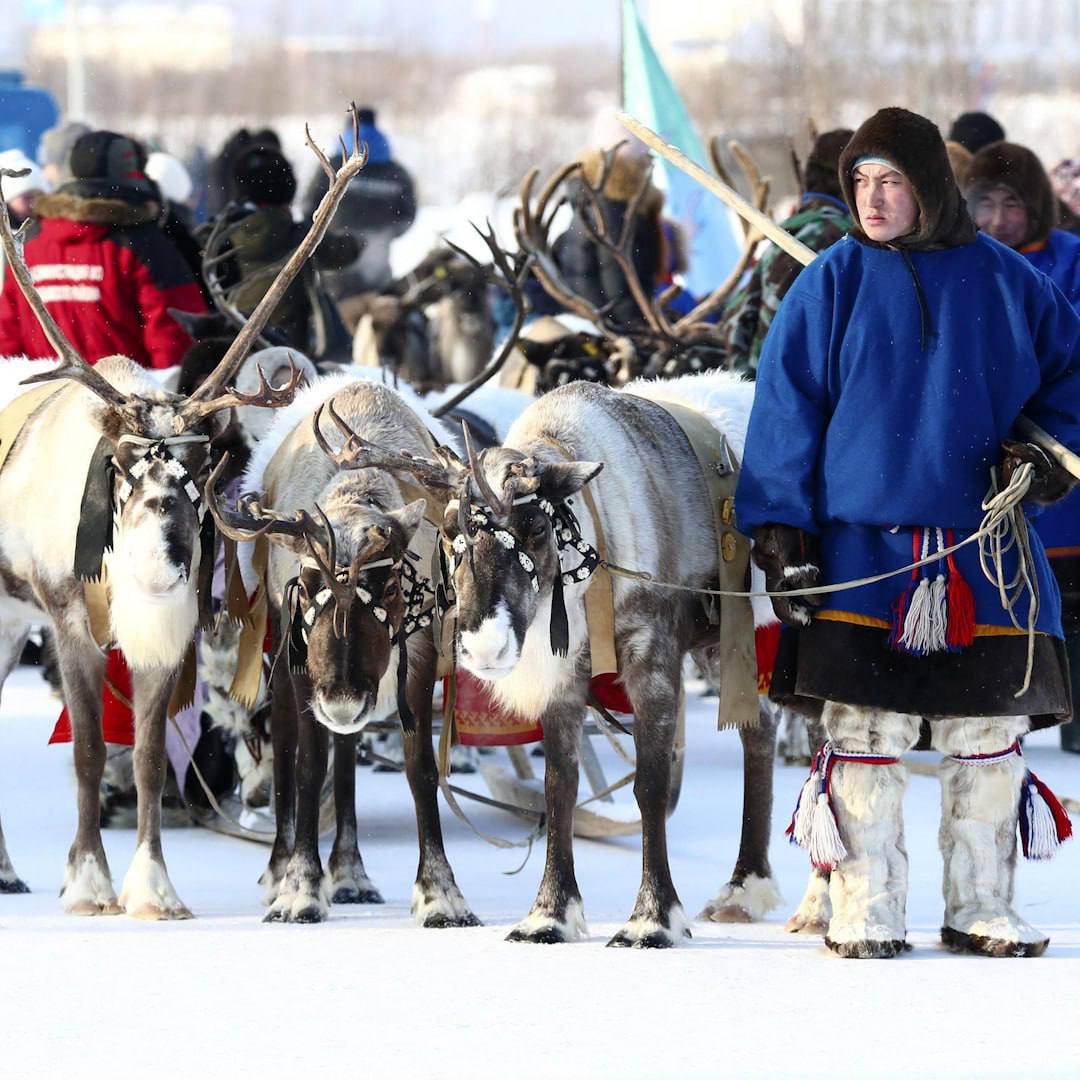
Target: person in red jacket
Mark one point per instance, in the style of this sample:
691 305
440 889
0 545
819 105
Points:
105 271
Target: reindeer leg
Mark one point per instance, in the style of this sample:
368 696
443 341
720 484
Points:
349 883
147 892
658 920
283 737
751 893
303 896
87 888
437 901
12 640
557 914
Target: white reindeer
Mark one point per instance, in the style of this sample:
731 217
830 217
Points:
105 478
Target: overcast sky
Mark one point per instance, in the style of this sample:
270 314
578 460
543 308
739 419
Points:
467 25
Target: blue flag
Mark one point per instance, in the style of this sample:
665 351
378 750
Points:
713 234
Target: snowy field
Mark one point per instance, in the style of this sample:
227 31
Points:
369 995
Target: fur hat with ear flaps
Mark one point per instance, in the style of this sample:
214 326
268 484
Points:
914 145
1009 165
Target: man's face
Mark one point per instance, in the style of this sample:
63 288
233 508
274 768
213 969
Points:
1001 213
885 202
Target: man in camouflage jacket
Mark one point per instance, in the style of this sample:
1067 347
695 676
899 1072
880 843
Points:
821 219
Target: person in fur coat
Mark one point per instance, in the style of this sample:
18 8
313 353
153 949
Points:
104 269
889 388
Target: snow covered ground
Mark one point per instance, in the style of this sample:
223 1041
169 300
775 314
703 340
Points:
368 994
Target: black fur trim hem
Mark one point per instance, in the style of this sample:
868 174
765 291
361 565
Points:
958 942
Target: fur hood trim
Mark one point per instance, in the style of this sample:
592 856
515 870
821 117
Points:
1009 165
915 145
624 177
95 211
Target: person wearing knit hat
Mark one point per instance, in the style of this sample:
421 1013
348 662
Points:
54 150
105 271
889 389
974 130
265 238
820 219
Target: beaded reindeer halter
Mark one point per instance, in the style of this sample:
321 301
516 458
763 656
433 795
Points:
567 531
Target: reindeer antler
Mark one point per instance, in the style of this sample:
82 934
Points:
512 278
759 191
72 365
214 387
265 396
447 471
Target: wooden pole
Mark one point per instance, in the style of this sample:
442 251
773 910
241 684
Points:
762 222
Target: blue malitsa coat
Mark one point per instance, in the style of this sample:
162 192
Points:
887 383
1059 525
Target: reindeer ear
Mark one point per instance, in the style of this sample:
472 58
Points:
409 517
559 482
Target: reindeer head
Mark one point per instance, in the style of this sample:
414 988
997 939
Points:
503 530
505 533
356 596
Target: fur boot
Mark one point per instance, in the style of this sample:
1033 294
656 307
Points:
868 888
979 809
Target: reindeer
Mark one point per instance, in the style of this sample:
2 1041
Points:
104 481
347 582
522 543
432 327
669 347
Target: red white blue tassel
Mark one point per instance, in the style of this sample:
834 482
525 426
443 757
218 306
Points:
1044 823
813 824
933 614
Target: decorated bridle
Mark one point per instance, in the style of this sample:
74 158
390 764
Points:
479 517
104 500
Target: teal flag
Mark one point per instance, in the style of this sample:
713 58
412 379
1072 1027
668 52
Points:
714 236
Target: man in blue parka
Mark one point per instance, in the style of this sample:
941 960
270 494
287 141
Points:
1010 196
888 393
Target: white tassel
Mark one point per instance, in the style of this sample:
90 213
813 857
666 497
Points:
918 620
825 846
939 616
804 812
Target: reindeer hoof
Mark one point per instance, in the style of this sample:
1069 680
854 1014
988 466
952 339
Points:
439 921
869 949
156 913
545 935
800 924
95 907
13 886
311 913
655 939
357 894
